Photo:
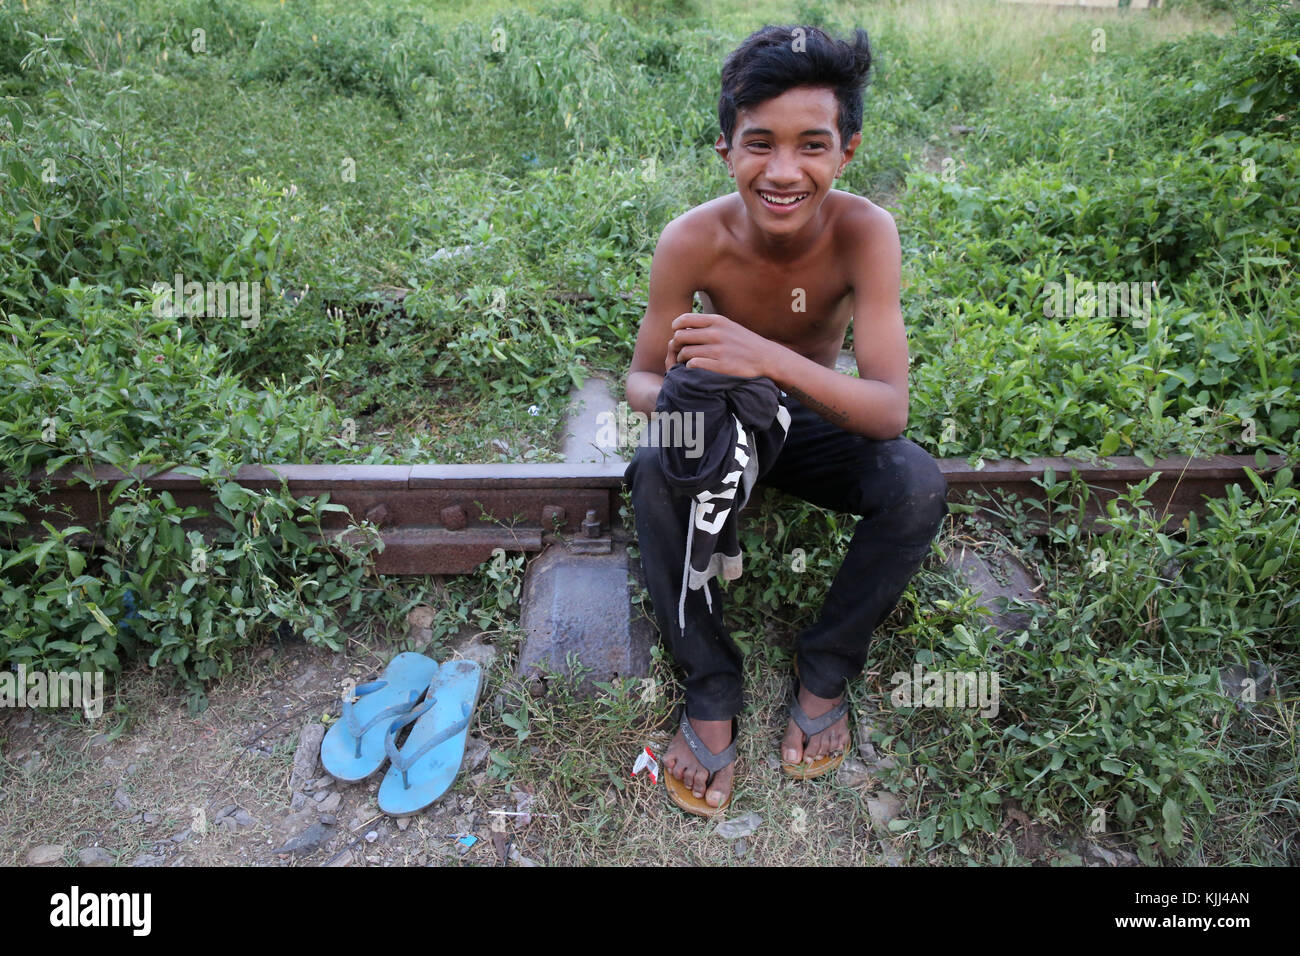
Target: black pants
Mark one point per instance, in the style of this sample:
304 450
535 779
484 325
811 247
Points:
894 485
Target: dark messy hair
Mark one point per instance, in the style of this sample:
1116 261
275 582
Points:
775 59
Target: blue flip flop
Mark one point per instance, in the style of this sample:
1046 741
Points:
353 748
426 766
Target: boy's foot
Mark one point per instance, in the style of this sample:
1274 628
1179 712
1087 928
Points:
681 763
827 743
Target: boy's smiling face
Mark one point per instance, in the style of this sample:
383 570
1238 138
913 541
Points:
785 155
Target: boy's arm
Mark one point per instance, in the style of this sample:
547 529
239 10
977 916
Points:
671 294
876 403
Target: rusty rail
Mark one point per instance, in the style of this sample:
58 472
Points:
448 519
1183 484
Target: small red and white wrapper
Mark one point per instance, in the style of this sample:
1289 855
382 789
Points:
646 761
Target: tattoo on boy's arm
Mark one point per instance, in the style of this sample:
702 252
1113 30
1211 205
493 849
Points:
832 415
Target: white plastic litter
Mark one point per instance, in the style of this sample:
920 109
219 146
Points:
646 761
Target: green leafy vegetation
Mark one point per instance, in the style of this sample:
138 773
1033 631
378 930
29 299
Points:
448 213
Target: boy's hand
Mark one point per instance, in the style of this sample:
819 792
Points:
717 344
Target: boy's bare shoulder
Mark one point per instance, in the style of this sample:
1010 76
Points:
699 234
858 218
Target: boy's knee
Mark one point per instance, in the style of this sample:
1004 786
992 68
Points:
920 489
927 491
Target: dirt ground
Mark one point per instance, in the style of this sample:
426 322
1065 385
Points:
218 789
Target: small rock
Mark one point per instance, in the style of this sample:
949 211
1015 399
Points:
226 811
886 763
1126 858
320 795
322 783
329 804
243 818
482 654
773 761
472 647
328 819
227 824
343 859
146 859
866 749
99 740
182 836
884 807
95 856
739 827
122 799
45 854
297 802
305 842
149 818
421 616
130 769
306 759
296 822
372 836
853 773
519 858
1101 853
403 823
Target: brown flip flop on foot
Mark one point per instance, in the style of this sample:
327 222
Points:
810 727
681 794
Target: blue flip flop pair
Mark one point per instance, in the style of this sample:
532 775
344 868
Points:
426 765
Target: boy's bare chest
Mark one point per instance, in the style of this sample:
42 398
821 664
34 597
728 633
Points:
807 310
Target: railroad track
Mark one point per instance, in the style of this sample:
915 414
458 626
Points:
448 519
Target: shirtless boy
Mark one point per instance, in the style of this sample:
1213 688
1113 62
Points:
781 265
